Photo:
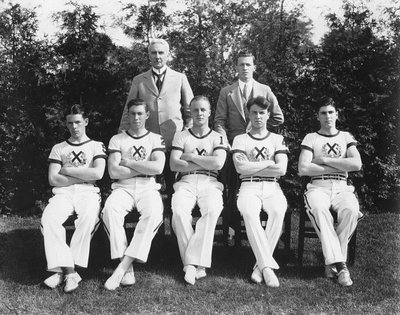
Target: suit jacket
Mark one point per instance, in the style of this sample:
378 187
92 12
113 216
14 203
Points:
230 119
167 107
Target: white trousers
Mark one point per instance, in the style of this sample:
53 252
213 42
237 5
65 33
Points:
84 200
321 195
195 246
147 201
268 196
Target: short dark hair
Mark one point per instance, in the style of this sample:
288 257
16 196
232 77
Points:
245 54
75 109
324 101
259 101
137 102
200 98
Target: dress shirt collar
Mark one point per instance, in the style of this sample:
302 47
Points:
159 71
249 85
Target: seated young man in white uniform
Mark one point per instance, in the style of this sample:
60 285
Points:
75 165
197 154
327 156
135 157
260 157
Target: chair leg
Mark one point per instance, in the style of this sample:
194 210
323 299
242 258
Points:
237 227
351 252
300 248
225 227
287 236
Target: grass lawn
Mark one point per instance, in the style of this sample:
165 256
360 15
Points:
160 288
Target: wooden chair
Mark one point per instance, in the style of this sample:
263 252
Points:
306 230
69 226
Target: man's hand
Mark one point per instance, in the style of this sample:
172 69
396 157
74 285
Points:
241 157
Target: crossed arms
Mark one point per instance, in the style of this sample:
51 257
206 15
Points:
310 166
187 162
61 176
119 168
267 168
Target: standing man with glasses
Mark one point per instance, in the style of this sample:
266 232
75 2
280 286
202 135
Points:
167 94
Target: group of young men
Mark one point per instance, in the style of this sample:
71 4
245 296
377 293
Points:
165 130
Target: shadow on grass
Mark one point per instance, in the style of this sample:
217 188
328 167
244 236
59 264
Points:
22 258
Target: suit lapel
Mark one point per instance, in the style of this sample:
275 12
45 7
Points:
149 82
237 98
257 89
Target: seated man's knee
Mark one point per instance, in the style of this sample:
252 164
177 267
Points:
212 212
277 211
352 210
109 211
179 210
248 205
50 215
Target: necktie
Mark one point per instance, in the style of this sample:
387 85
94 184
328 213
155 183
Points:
245 93
159 80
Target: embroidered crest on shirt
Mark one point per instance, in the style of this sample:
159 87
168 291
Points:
259 154
201 152
331 150
137 153
76 159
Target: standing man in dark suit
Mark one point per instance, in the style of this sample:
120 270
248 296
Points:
167 94
232 117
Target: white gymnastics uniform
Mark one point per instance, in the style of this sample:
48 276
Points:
331 191
83 199
260 192
203 188
140 192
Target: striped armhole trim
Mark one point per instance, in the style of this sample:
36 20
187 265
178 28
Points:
306 148
158 149
54 161
238 151
282 151
221 148
101 156
351 144
177 148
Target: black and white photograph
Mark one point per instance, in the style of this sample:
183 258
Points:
200 157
